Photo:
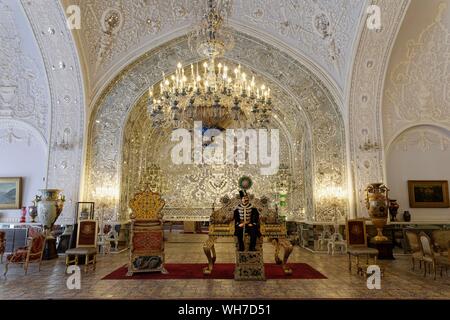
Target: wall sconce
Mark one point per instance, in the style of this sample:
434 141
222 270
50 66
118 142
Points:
368 145
62 140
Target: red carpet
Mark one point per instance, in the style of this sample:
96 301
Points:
220 271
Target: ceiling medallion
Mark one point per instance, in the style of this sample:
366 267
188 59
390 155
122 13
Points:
210 92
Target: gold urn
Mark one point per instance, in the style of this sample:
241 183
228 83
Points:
377 203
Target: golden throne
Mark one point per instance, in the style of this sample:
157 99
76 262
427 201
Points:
271 227
146 234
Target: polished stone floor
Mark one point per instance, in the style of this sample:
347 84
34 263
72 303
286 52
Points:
399 281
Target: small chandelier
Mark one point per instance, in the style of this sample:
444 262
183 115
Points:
211 91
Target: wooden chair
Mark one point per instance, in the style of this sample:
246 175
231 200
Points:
2 245
86 244
441 240
147 234
430 257
414 244
32 253
357 244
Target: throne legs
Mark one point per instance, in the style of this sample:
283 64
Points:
210 252
279 243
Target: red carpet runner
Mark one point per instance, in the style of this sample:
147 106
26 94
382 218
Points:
220 271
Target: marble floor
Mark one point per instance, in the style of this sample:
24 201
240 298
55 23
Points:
399 281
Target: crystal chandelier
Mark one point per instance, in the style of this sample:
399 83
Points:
210 91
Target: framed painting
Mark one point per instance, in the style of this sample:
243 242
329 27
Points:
87 233
11 193
428 193
85 210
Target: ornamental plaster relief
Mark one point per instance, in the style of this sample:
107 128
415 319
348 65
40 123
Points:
365 99
55 42
23 84
418 88
293 85
423 139
323 32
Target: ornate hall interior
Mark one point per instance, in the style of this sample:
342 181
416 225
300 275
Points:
224 149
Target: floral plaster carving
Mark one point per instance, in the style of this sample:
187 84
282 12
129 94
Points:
424 139
365 97
55 41
299 95
418 89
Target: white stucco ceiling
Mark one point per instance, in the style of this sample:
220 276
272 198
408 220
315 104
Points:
321 32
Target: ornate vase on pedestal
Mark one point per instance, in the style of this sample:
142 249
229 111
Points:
377 203
49 206
393 209
32 212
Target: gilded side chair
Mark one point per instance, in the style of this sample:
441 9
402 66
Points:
414 244
32 253
430 257
147 233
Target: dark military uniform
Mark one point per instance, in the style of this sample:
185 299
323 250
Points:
243 214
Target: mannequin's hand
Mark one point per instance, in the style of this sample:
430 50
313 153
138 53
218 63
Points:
241 225
250 225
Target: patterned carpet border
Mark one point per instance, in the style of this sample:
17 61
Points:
220 271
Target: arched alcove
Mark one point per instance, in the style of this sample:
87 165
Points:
418 153
311 118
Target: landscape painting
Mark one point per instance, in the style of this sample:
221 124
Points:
10 193
428 194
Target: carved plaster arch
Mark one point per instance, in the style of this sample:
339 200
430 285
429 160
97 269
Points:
62 65
305 90
119 65
139 137
365 100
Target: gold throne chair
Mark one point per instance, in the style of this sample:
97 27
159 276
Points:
146 234
271 227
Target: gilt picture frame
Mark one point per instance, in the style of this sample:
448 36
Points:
11 193
428 194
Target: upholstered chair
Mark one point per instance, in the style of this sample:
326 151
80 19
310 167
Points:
441 240
32 253
86 244
430 257
414 244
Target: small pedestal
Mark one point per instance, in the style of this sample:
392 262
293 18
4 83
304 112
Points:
384 249
50 249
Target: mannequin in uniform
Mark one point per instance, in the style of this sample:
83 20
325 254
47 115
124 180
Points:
246 219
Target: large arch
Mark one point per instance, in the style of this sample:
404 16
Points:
365 100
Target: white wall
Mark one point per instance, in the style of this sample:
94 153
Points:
419 153
23 156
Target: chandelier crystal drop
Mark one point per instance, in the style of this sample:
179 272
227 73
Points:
209 91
